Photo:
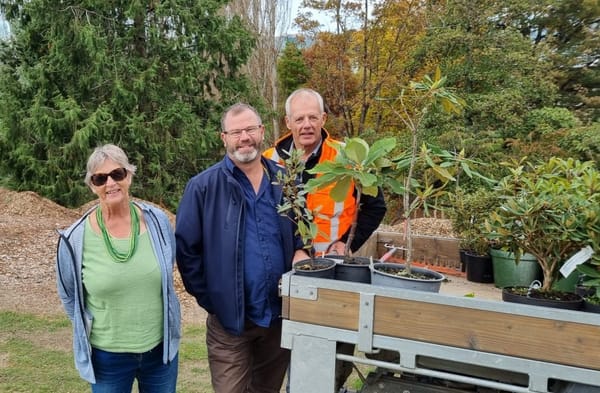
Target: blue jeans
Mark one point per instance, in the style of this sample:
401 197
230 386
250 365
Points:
115 372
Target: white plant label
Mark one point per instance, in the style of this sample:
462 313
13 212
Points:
580 257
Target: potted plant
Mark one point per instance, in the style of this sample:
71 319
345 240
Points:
425 172
488 261
591 287
436 173
368 167
478 261
356 165
468 213
360 166
546 210
590 269
411 107
294 207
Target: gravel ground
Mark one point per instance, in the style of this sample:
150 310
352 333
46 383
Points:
28 225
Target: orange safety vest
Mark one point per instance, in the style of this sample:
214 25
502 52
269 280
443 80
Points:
333 218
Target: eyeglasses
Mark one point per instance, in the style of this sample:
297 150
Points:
237 133
99 179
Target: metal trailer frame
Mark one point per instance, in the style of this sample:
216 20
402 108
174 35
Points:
320 312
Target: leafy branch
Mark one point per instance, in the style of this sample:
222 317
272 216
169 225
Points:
356 165
294 200
411 107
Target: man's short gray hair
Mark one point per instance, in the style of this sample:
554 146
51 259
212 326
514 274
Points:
303 91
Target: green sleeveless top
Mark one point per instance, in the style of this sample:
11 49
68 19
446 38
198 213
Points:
124 298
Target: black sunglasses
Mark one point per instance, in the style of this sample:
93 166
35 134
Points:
99 179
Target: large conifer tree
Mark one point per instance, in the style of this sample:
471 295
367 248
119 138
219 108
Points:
152 77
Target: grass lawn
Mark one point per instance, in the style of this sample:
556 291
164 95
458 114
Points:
36 356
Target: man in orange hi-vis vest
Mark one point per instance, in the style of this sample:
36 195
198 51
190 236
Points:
305 116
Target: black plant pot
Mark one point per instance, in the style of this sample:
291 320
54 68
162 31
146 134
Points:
318 267
588 292
355 269
463 260
479 268
535 297
584 291
591 307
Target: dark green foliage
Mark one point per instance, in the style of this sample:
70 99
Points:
494 67
583 143
152 77
571 29
546 120
468 213
291 69
508 76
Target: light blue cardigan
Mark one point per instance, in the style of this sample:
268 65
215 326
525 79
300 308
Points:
70 287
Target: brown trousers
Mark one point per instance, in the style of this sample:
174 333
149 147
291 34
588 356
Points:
251 363
343 369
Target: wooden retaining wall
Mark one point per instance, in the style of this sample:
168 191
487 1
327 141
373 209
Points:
432 251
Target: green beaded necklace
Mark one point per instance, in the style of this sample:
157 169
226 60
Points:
133 238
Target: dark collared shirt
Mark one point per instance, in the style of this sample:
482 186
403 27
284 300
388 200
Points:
262 251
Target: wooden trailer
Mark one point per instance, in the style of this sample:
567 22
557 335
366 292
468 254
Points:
471 344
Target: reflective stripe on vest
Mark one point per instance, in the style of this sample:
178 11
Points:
338 215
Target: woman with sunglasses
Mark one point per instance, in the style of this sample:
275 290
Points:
115 280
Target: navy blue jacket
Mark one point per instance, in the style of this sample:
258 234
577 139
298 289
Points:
210 242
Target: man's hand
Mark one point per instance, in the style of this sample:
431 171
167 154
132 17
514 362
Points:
300 255
336 247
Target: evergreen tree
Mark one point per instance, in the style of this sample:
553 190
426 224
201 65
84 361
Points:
291 69
571 29
152 77
497 70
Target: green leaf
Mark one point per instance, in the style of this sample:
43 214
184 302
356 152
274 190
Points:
356 149
396 186
588 270
366 179
340 190
402 163
320 182
371 191
379 150
443 173
465 167
323 167
383 163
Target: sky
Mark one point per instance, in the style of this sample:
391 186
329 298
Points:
294 7
324 19
5 28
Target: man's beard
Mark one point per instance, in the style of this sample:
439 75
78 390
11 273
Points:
245 157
